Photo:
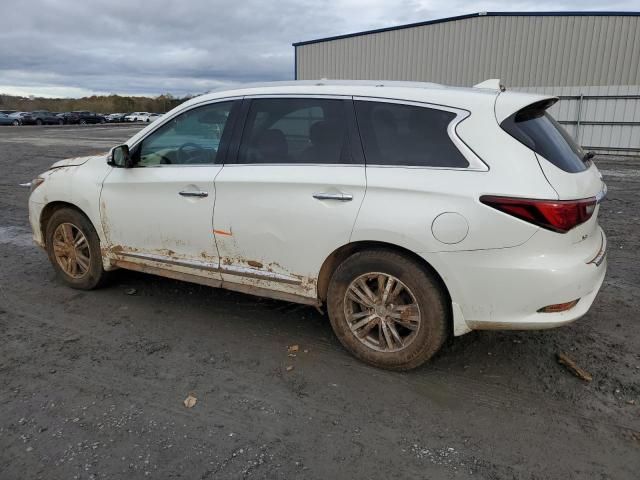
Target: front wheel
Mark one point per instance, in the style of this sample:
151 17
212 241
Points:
73 247
16 123
83 122
38 122
387 310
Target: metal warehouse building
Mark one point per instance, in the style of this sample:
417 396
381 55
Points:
591 60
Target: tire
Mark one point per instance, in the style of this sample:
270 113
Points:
419 293
38 122
82 122
102 121
60 122
86 278
16 123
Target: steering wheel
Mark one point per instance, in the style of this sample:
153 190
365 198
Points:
188 151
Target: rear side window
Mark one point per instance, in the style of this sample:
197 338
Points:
539 131
295 130
406 135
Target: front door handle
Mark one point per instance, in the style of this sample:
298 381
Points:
200 194
341 197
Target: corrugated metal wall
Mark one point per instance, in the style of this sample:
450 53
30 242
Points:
562 55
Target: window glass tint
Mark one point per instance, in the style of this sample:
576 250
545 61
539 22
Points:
191 138
295 130
406 135
539 131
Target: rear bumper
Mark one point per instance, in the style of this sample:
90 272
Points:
503 289
540 321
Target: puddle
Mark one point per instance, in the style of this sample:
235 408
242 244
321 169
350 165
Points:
17 236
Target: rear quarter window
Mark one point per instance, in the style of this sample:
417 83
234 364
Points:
407 135
535 128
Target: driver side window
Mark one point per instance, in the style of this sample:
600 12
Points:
192 137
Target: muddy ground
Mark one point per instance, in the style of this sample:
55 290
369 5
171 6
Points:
92 383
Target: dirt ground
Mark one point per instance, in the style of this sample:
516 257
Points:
92 383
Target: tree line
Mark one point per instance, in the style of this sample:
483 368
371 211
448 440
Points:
95 103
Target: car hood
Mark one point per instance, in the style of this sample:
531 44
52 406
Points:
76 161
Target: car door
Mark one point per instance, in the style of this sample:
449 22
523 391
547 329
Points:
289 193
160 211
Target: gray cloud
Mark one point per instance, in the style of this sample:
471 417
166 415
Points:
69 48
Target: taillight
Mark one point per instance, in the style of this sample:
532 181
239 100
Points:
557 215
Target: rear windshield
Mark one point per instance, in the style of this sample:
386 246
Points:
539 131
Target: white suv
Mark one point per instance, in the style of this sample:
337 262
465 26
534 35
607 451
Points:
413 211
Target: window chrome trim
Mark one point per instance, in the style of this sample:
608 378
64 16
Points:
301 96
475 162
290 165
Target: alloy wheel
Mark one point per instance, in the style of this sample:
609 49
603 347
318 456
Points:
71 250
382 312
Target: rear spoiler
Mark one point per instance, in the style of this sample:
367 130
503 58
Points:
508 103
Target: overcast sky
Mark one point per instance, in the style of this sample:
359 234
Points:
72 48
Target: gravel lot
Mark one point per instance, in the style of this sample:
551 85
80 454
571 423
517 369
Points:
92 383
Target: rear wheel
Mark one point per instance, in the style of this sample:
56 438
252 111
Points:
82 121
38 122
73 247
60 122
387 310
16 123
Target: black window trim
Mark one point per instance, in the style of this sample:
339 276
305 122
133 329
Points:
233 121
475 162
352 130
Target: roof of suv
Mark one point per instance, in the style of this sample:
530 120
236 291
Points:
339 87
483 97
467 98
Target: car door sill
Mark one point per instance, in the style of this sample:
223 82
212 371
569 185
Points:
239 271
212 282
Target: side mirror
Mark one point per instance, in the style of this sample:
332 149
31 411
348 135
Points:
119 157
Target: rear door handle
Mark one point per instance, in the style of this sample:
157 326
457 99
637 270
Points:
341 197
185 193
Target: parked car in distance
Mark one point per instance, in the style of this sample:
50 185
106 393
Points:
8 120
83 117
63 116
412 211
137 117
152 117
18 116
8 112
116 117
40 117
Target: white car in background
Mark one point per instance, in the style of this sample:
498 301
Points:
152 117
137 117
412 211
